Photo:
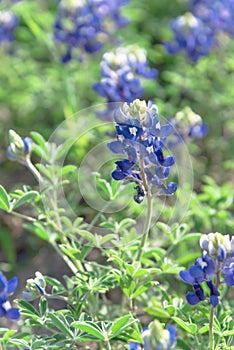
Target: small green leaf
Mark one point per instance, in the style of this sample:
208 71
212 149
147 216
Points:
58 323
121 324
8 334
25 198
4 199
43 306
89 328
25 306
68 169
38 230
190 328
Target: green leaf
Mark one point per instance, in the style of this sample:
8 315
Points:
204 329
8 334
89 328
68 169
43 306
4 199
104 185
25 198
58 323
190 328
190 237
228 333
38 230
7 245
88 235
25 306
64 148
121 324
142 289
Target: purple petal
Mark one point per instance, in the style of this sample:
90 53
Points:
116 147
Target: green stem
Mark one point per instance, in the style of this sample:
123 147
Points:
147 225
108 345
211 324
22 216
33 170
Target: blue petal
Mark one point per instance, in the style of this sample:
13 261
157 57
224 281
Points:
214 300
118 175
116 147
197 272
13 314
186 277
192 298
3 282
12 285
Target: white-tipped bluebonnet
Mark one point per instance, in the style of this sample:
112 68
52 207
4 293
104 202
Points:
86 24
7 288
19 148
121 71
187 125
35 287
141 139
156 337
192 36
8 22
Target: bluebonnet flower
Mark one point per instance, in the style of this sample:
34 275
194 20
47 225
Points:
8 22
203 270
192 36
217 14
141 138
20 147
7 288
120 71
187 125
156 338
86 24
34 287
228 272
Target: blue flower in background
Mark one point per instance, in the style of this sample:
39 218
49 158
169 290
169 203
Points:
8 22
228 272
141 137
156 338
121 71
192 36
85 25
7 288
217 14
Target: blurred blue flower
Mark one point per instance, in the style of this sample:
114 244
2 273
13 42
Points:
156 338
86 24
141 138
228 272
8 22
192 36
217 14
7 288
120 71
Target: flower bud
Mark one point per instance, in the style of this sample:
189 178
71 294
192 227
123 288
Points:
34 287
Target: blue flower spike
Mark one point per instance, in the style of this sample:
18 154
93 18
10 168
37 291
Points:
156 337
35 288
7 288
8 22
144 162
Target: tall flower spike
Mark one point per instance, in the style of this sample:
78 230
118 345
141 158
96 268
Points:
156 337
121 71
192 36
8 22
86 24
140 138
7 288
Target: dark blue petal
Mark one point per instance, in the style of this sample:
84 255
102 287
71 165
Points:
192 298
171 188
12 285
118 175
168 161
197 272
214 300
13 314
186 277
3 282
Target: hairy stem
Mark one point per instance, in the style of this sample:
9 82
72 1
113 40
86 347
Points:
33 170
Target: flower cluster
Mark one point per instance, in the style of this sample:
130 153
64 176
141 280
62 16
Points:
218 257
141 139
156 338
187 125
8 22
20 147
34 287
191 35
7 288
86 24
217 14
